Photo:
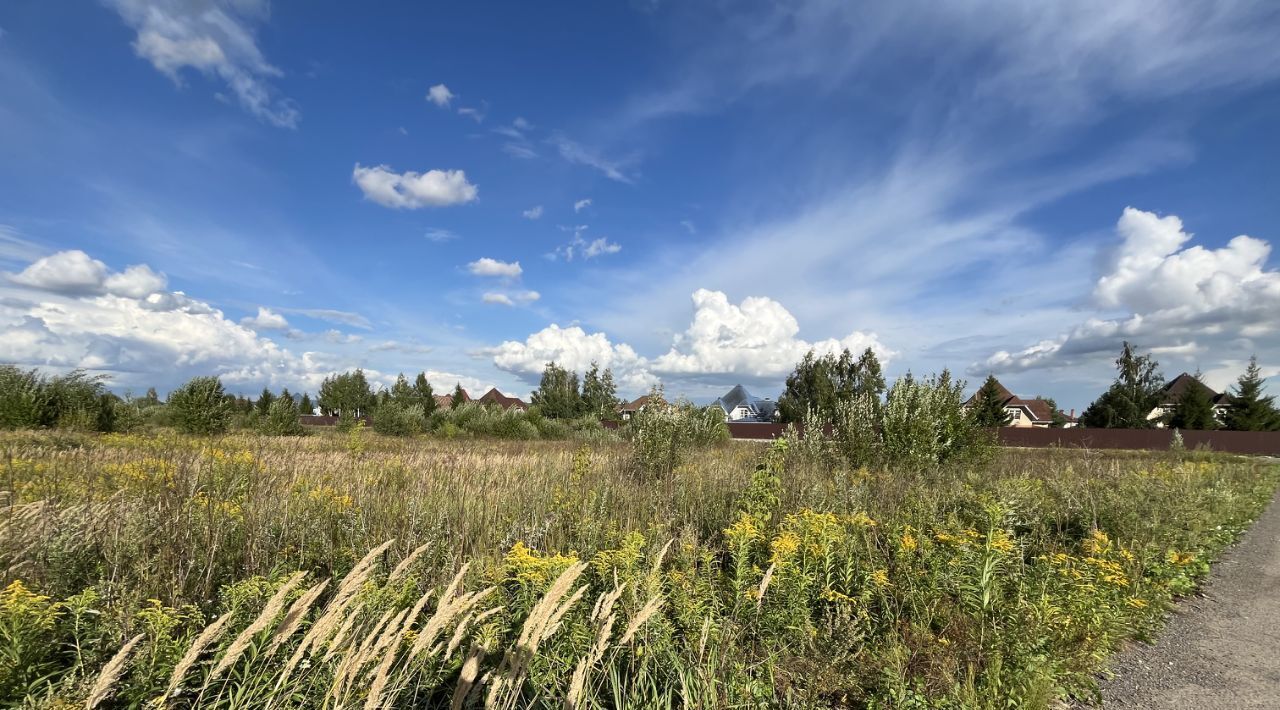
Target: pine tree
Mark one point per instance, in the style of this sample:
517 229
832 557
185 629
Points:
402 393
1194 408
285 394
1250 410
988 405
459 397
305 406
1131 397
426 398
263 405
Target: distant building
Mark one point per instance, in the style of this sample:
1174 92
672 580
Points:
740 406
495 398
1174 390
1035 412
445 401
630 409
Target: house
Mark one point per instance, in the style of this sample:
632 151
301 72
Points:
1176 388
496 398
629 409
740 406
445 401
1035 412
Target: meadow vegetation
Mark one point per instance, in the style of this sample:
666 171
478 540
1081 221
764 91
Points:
655 569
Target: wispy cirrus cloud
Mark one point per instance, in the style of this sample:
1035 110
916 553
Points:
216 38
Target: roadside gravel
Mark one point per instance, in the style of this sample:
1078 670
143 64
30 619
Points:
1220 649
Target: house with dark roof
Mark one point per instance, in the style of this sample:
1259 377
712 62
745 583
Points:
740 406
497 399
1174 391
445 401
629 409
1023 412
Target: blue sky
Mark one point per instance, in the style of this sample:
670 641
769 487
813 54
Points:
693 192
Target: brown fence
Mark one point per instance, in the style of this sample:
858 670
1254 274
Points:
1236 442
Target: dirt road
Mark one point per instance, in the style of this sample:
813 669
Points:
1220 649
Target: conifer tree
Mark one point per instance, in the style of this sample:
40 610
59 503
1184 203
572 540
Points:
425 397
1250 409
306 406
263 405
987 410
1131 397
459 397
1194 408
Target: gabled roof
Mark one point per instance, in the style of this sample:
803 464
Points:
635 404
1176 387
493 396
1004 395
446 400
740 397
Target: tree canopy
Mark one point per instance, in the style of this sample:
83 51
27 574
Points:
1251 410
1130 399
346 394
558 395
821 383
1194 408
599 394
987 409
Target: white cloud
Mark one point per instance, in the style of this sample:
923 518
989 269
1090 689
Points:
600 246
492 267
519 150
757 339
688 226
534 212
136 281
354 320
754 341
411 190
581 205
472 113
1172 299
338 337
578 154
266 319
76 273
14 247
439 235
572 348
440 95
521 124
73 272
216 38
510 299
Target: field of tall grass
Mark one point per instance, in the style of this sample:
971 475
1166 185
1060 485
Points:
354 570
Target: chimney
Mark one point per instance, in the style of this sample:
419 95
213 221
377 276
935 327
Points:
1073 412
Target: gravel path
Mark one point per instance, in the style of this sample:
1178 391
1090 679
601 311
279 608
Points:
1220 649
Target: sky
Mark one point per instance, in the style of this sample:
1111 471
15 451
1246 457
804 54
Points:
693 193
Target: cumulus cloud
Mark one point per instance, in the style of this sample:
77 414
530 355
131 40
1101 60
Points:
534 212
755 341
1170 297
581 205
215 38
136 281
757 338
74 272
440 95
266 319
574 349
411 190
492 267
510 299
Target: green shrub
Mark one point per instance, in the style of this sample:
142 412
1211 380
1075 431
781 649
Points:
394 419
200 407
663 434
281 419
76 400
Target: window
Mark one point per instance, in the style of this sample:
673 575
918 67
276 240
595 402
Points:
1015 414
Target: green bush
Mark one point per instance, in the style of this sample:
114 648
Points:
663 434
281 419
200 407
76 400
394 419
